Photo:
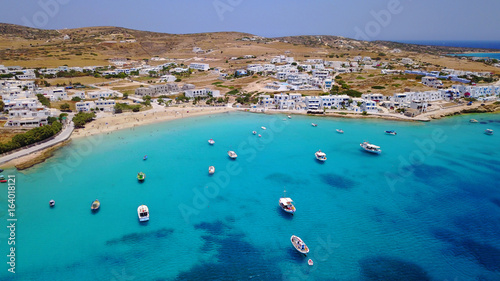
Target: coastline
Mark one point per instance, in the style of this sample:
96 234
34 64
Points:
106 123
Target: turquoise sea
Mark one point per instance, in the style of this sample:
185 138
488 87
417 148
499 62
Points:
427 208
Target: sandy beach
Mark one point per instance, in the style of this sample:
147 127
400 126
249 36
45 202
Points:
107 122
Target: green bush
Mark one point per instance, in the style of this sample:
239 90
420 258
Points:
378 87
83 118
32 136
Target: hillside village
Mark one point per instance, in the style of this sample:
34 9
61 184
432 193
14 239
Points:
293 81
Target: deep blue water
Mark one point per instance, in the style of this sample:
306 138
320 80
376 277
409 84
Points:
463 43
427 208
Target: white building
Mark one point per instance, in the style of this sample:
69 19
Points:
407 61
432 82
312 102
100 94
193 93
199 66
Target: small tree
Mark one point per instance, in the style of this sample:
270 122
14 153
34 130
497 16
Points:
64 106
125 96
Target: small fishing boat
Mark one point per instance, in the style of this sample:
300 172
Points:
314 125
141 176
289 117
368 147
3 181
286 204
320 156
211 170
299 245
52 203
1 170
232 154
263 128
391 133
473 121
340 131
95 205
143 213
211 141
489 132
2 177
254 132
260 135
145 157
310 262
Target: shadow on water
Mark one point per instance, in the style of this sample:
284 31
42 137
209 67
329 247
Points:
134 238
295 255
284 214
485 255
235 259
391 269
286 179
338 181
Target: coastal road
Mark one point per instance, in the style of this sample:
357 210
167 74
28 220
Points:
64 135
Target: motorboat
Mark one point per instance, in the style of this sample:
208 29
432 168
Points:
489 132
310 262
254 132
232 154
368 147
143 213
314 125
263 128
145 157
340 131
320 156
141 176
299 245
391 133
1 170
289 117
211 141
473 121
211 170
2 177
260 135
52 203
95 205
286 204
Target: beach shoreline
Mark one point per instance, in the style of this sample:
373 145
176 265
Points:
107 123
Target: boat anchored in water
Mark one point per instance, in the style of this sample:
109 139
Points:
473 121
289 117
286 204
314 124
489 132
391 132
141 176
368 147
263 128
145 157
254 132
52 203
143 213
95 205
211 170
211 141
299 245
320 156
340 131
232 154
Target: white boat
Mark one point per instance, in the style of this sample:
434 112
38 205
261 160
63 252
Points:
368 147
314 125
289 117
391 133
286 204
211 170
52 203
254 132
340 131
211 141
489 132
263 128
320 156
232 154
260 135
143 213
299 244
310 262
473 121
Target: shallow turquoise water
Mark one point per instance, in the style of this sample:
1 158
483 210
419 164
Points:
426 208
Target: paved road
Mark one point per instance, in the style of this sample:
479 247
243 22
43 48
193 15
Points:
64 135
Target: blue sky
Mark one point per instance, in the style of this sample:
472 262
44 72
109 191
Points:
368 19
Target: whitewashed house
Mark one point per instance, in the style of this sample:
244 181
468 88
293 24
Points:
200 66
